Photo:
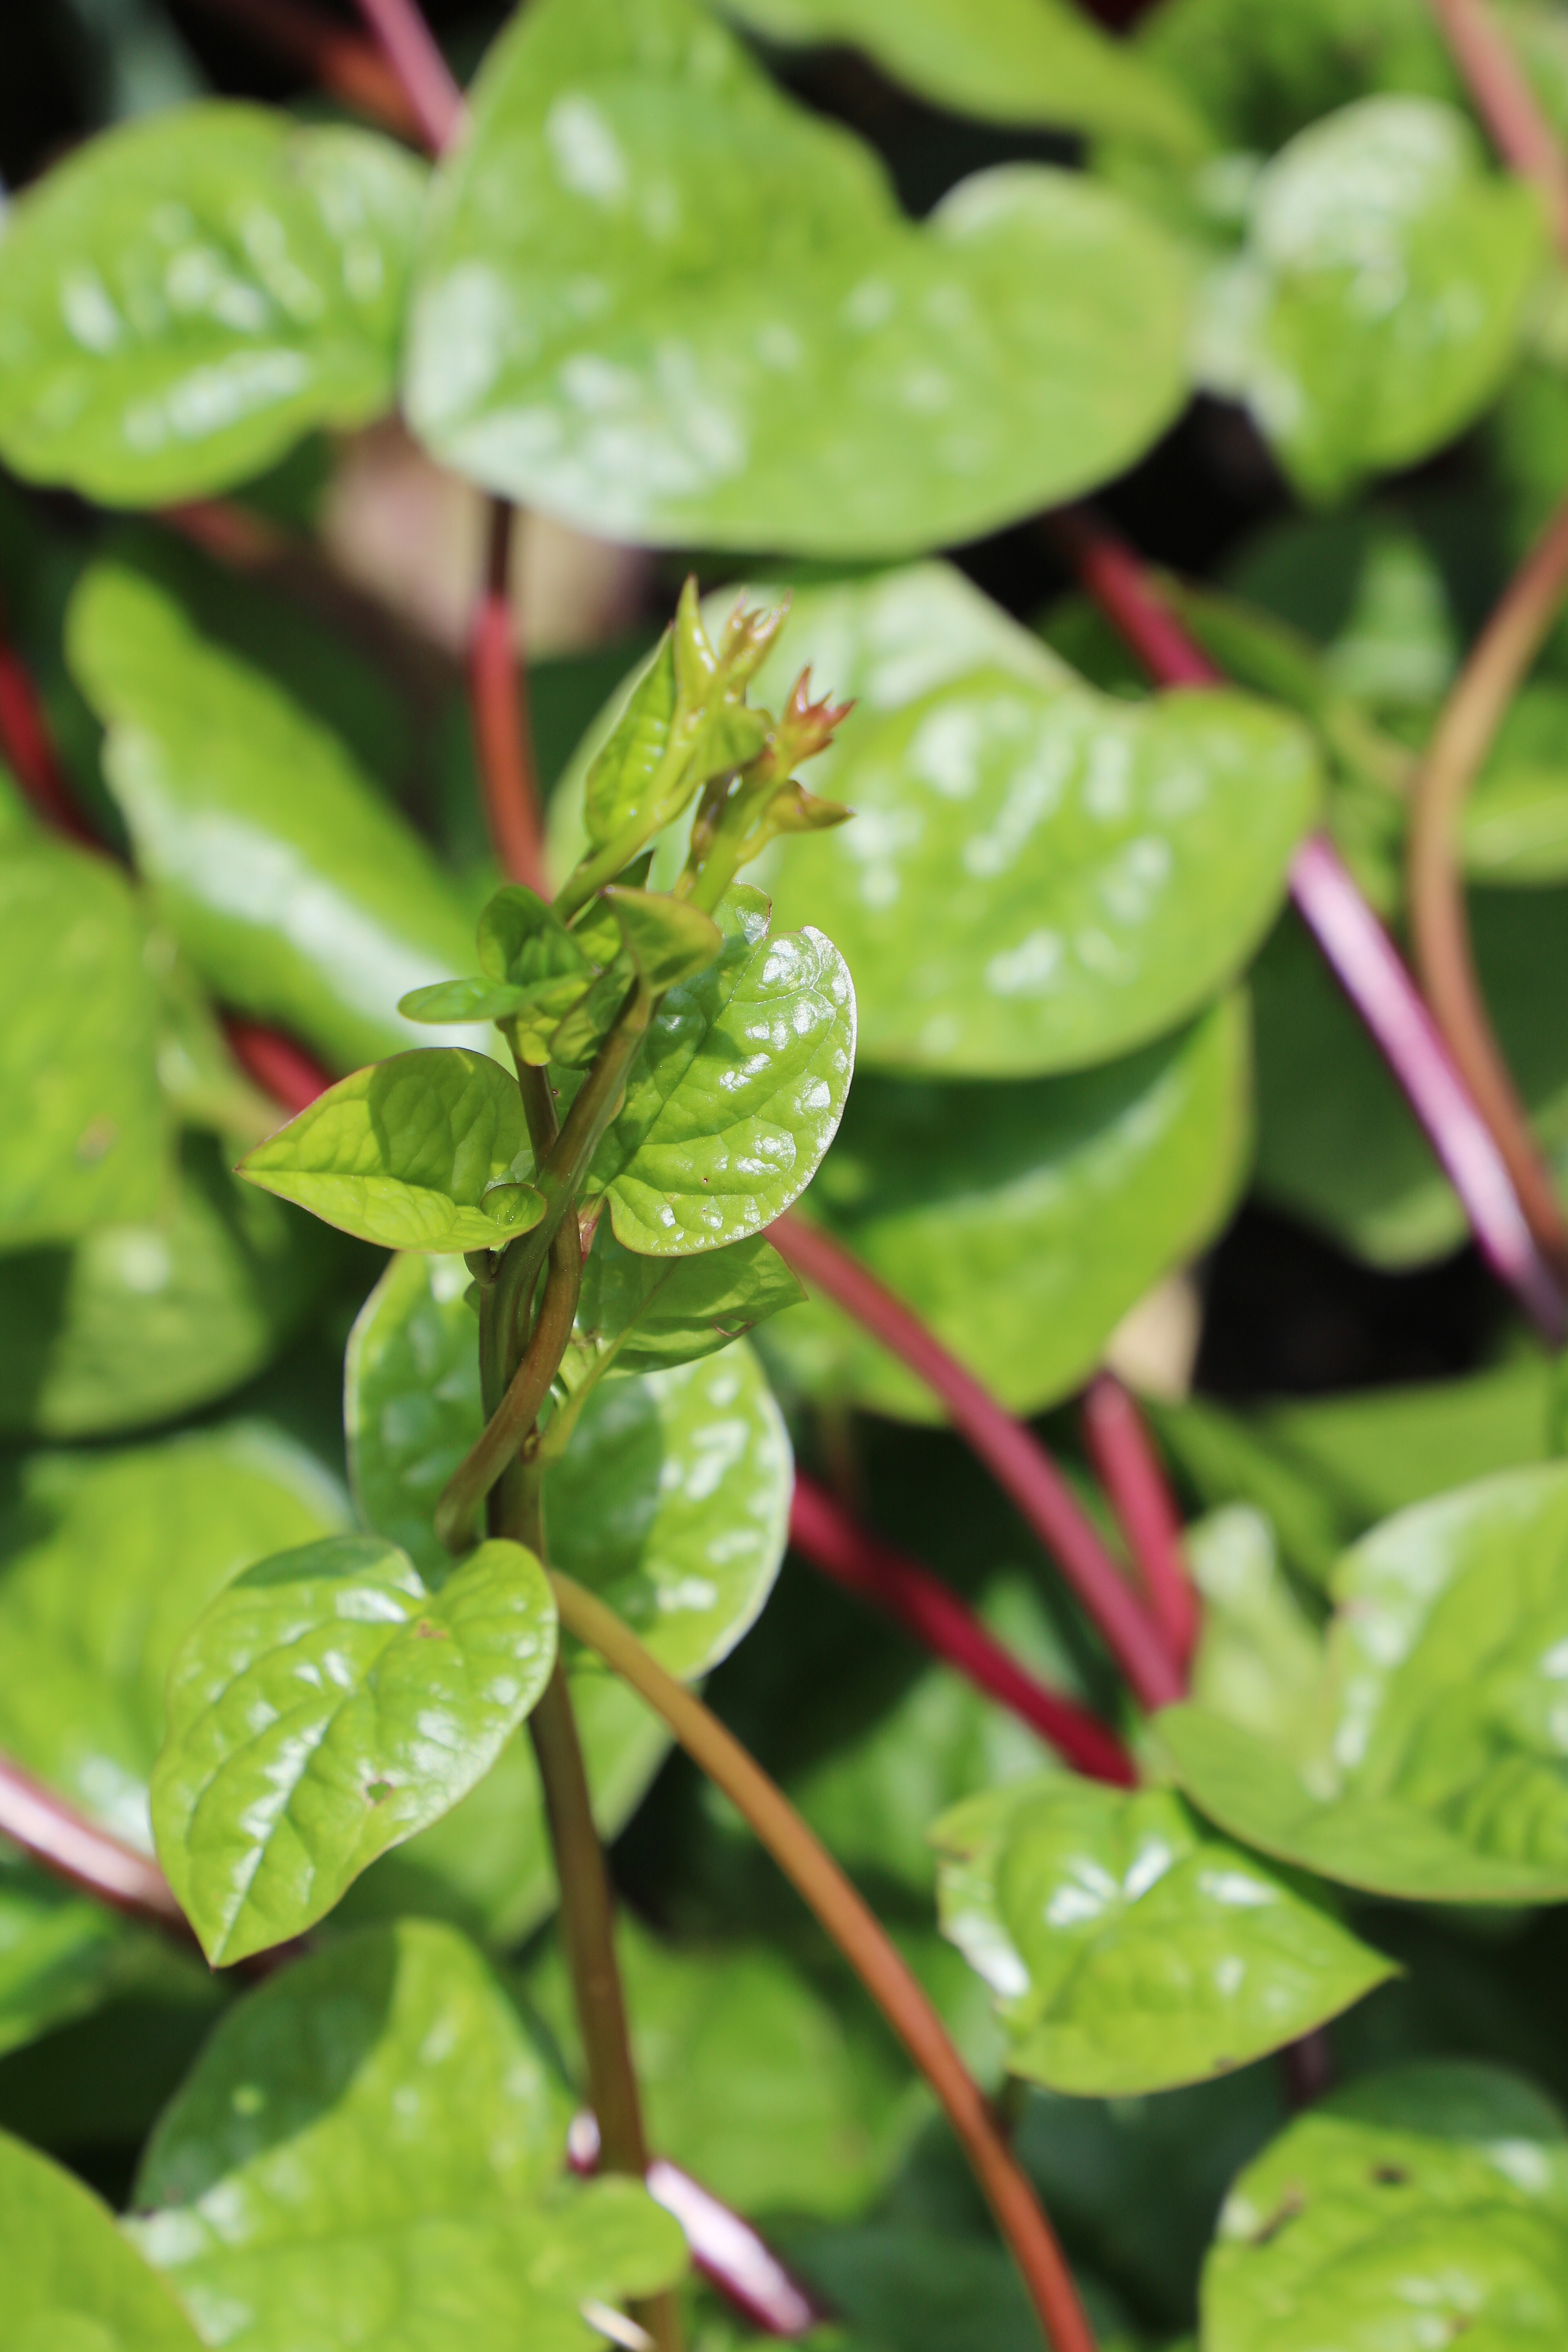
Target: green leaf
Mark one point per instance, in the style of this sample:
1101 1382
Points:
672 1499
1020 61
1022 1222
141 1322
634 188
1259 1658
1421 2207
522 941
652 1312
1128 1948
84 1141
405 1154
371 2139
300 895
1514 828
1438 1774
328 1705
185 298
72 2283
1378 302
108 1558
668 940
748 2075
60 1955
736 1094
1039 879
618 786
673 1503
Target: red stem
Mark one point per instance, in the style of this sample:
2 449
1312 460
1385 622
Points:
25 741
1358 950
827 1535
724 2248
498 689
1013 1453
75 1849
423 73
1133 1476
274 1063
349 68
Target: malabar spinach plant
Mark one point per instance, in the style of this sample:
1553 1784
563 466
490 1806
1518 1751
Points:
460 1889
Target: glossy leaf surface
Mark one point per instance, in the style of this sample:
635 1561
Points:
1022 1222
72 2283
1425 2206
736 1094
1377 304
182 300
1439 1775
141 1322
658 298
325 1707
652 1312
1020 61
749 2076
370 2138
84 1122
1131 1949
1039 879
300 895
402 1154
108 1560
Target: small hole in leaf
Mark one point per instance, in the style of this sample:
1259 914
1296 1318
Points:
1390 2176
377 1790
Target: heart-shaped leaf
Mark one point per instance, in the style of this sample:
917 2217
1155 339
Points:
671 1501
1425 2206
659 298
84 1121
1039 879
405 1154
1377 304
109 1558
1129 1948
298 893
141 1322
1017 61
72 2283
651 1312
373 2133
325 1707
724 2036
184 299
737 1093
61 1953
1442 1770
1022 1222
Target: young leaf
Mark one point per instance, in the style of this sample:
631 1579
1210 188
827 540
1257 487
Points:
898 386
72 2283
668 940
1439 1773
325 1707
619 786
141 1322
371 2135
297 892
1426 2205
108 1558
737 1093
654 1312
84 1122
407 1154
1344 377
1131 1949
183 299
671 1501
1043 878
1022 1221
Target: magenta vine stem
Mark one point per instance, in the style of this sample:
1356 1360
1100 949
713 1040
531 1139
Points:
71 1847
1358 950
410 50
1013 1453
1117 1441
835 1542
